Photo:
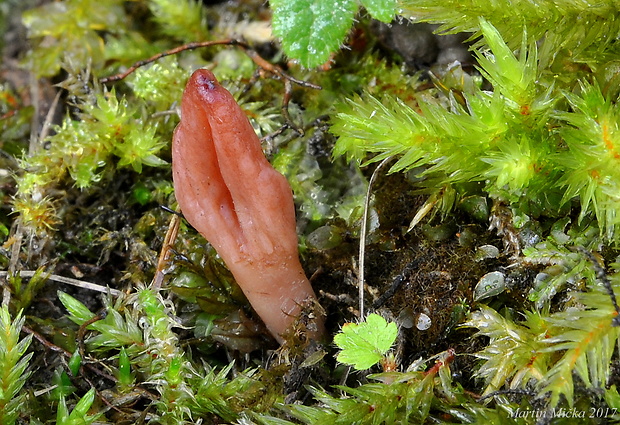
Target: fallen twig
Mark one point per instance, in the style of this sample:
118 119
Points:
251 53
69 281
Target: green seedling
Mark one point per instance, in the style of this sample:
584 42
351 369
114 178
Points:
125 376
75 362
13 366
63 385
79 415
365 344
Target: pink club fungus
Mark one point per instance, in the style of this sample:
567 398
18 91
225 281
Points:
230 193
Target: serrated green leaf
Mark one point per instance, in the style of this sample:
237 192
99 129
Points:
312 29
364 344
383 10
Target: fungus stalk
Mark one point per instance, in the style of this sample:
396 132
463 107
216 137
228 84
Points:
230 193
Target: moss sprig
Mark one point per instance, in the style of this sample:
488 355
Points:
544 351
592 134
13 366
153 356
565 26
519 139
79 415
394 398
83 149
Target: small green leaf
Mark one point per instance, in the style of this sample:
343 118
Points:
125 377
383 10
80 415
79 312
515 78
173 375
4 231
62 413
75 362
312 29
63 384
364 344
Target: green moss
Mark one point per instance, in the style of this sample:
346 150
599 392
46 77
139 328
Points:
182 19
528 142
69 33
529 153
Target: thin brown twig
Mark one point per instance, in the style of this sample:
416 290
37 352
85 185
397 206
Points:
82 332
176 50
252 54
49 117
44 341
101 396
286 99
51 346
164 256
363 232
68 280
36 103
261 62
275 69
269 137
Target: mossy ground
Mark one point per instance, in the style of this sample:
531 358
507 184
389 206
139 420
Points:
85 202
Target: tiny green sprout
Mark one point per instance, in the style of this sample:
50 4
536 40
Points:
173 375
139 148
125 377
75 362
367 343
64 386
141 194
79 415
79 312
